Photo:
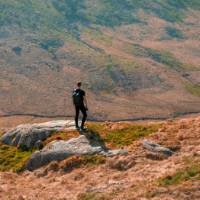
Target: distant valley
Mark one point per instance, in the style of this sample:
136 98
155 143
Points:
137 59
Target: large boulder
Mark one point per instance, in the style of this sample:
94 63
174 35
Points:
60 150
28 135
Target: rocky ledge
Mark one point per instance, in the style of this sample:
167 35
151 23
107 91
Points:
27 136
60 150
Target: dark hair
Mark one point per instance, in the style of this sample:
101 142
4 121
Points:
79 84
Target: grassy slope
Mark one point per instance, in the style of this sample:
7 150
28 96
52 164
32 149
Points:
53 24
32 14
53 14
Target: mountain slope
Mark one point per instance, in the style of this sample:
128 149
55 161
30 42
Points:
137 59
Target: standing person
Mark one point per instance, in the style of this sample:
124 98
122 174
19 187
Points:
80 104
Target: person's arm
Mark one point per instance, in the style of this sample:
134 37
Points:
85 101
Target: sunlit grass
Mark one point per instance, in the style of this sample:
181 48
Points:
12 158
123 136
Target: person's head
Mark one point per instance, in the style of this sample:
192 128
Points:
79 84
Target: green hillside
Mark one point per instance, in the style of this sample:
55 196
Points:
53 14
140 54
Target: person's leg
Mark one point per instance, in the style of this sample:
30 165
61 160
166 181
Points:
76 116
84 112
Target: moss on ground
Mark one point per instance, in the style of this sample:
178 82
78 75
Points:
123 136
12 158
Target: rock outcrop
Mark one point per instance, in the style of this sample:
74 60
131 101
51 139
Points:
31 135
60 150
28 135
156 148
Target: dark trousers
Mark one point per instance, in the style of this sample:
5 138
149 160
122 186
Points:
84 112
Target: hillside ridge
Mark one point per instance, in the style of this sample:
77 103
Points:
136 59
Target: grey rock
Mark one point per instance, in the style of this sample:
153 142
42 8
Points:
27 135
115 152
60 150
39 144
80 145
156 148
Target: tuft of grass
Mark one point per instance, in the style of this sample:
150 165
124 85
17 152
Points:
191 172
124 136
61 136
87 196
92 196
12 158
93 160
79 161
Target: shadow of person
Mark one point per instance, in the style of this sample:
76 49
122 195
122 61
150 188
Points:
94 138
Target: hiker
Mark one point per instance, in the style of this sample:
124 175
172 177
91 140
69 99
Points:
80 104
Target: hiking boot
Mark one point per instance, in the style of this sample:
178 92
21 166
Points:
77 128
83 129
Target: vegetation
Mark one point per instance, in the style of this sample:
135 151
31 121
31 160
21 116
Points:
174 33
92 196
1 133
57 15
191 172
52 44
162 57
32 14
122 136
193 89
54 23
80 161
12 158
61 136
87 196
98 36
